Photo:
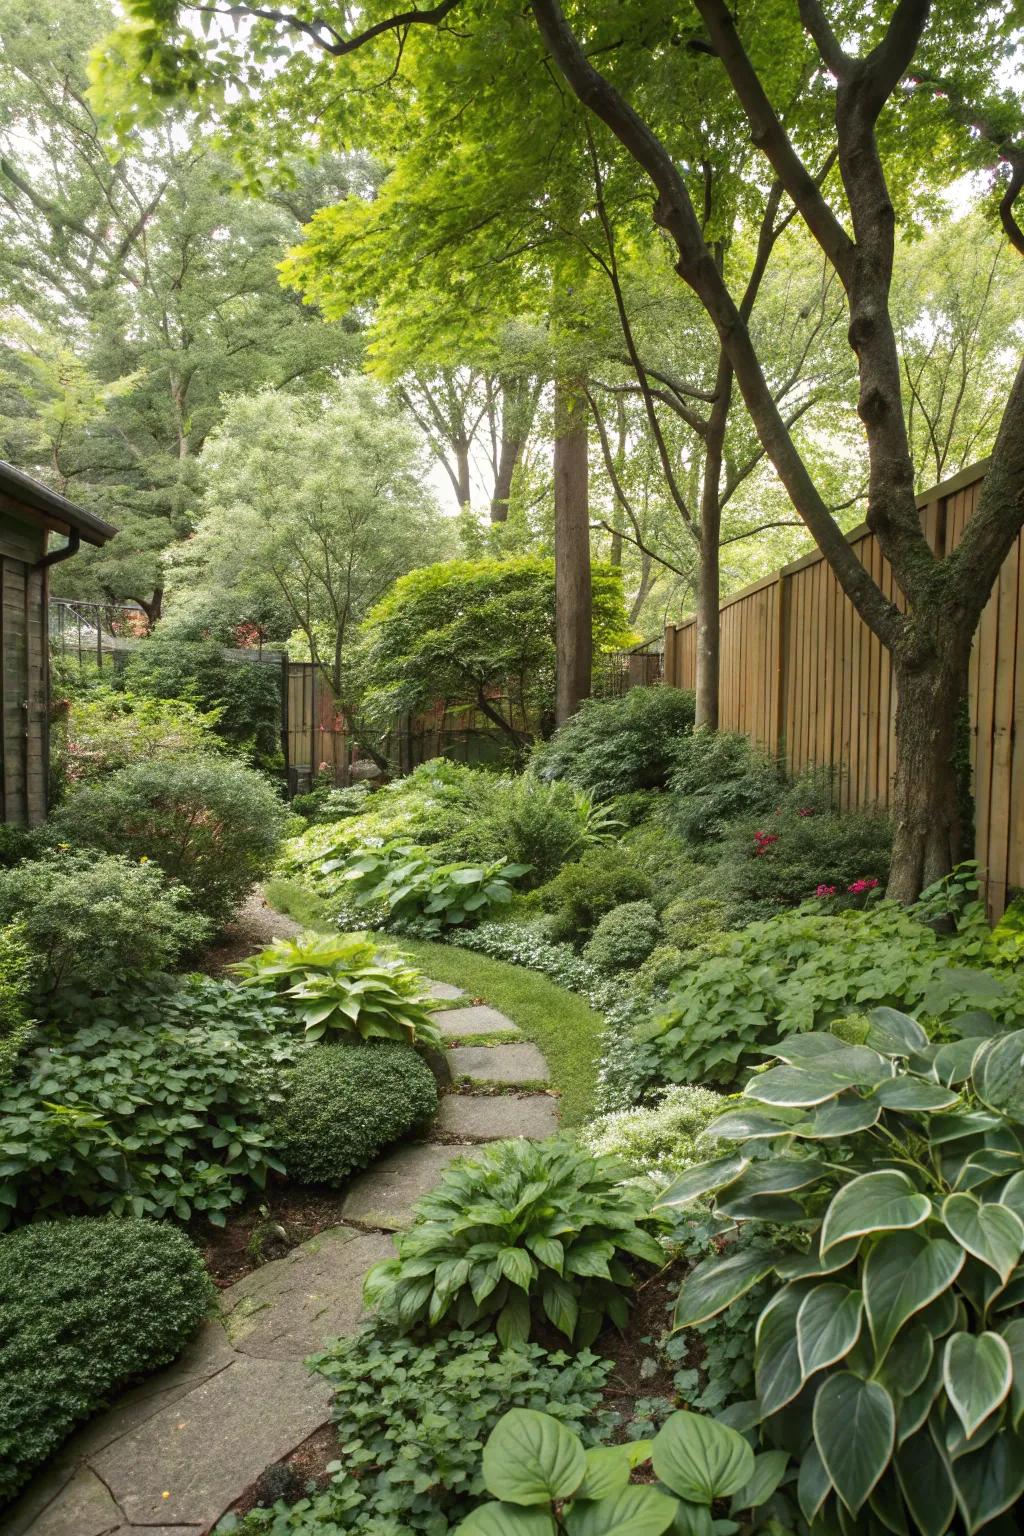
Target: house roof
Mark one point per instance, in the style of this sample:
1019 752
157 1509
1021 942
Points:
18 490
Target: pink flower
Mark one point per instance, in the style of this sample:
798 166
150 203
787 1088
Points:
806 811
825 890
860 886
763 841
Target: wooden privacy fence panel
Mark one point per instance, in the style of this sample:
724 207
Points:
314 727
803 676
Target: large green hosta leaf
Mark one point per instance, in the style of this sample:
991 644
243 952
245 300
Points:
496 1519
701 1460
703 1180
873 1202
903 1272
716 1283
926 1484
977 1370
894 1033
854 1430
998 1074
632 1511
530 1458
827 1325
993 1233
990 1480
777 1369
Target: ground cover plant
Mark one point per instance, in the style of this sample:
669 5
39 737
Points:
411 888
342 1105
518 1232
86 1307
421 1469
899 1164
661 1138
345 985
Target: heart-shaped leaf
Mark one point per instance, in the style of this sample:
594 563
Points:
632 1511
530 1458
993 1233
998 1074
827 1325
1013 1333
607 1472
873 1202
903 1272
716 1283
914 1093
926 1484
977 1370
777 1369
990 1480
813 1485
854 1430
497 1519
700 1459
894 1033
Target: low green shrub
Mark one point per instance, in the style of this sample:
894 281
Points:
245 695
717 778
326 804
519 1231
665 1137
413 1470
343 1104
345 985
211 824
890 1349
694 922
616 746
16 1028
86 1307
156 1103
18 843
800 854
404 881
106 730
799 972
580 894
542 825
624 937
91 921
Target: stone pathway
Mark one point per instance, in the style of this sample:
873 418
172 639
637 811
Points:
172 1456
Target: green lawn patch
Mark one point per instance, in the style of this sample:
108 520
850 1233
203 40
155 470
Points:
563 1025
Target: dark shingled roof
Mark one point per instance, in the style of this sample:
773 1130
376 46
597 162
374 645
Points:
54 509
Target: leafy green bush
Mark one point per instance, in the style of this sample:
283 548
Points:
345 985
246 695
799 971
85 1308
326 805
15 985
663 1137
412 888
616 746
18 843
717 778
212 824
580 894
107 730
419 1471
92 920
157 1104
540 1475
800 854
892 1350
624 937
343 1104
542 825
519 1230
694 922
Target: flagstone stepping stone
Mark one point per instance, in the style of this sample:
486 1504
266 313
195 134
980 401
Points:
385 1194
477 1020
83 1507
288 1309
494 1116
444 992
509 1064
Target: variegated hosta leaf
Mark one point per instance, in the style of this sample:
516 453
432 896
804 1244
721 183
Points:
873 1202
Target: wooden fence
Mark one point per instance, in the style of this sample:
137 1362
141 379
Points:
803 675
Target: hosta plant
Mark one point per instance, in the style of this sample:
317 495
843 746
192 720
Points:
891 1354
520 1231
345 986
543 1482
405 880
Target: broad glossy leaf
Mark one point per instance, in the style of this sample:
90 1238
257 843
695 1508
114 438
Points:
794 1087
842 1117
927 1485
769 1470
912 1411
977 1370
716 1283
498 1519
957 1126
854 1430
953 1061
530 1458
1012 1194
700 1459
608 1469
558 1299
886 1503
894 1033
907 1363
998 1074
813 1484
873 1202
513 1324
517 1266
903 1272
808 1266
908 1094
703 1180
632 1511
989 1480
828 1324
777 1369
693 1520
752 1124
1013 1333
776 1176
993 1233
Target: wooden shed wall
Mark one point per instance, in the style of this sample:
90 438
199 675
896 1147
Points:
24 673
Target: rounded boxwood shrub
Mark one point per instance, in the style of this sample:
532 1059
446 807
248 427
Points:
624 937
210 823
581 893
86 1306
345 1103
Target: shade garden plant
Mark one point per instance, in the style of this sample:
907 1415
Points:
890 1355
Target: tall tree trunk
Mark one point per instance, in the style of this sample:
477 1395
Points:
463 490
573 609
708 667
518 403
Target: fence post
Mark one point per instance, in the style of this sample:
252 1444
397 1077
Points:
780 676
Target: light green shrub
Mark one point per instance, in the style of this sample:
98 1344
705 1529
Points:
580 894
665 1137
624 937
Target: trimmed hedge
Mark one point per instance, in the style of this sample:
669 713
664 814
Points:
345 1103
86 1306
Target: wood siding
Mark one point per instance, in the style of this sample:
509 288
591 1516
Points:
803 676
24 677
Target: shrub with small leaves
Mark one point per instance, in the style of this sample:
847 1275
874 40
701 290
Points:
665 1137
15 985
615 746
343 1104
519 1231
717 778
624 937
86 1307
580 894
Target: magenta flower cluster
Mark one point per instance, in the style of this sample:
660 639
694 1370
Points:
763 841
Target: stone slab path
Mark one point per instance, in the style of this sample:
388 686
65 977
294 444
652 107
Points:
172 1456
